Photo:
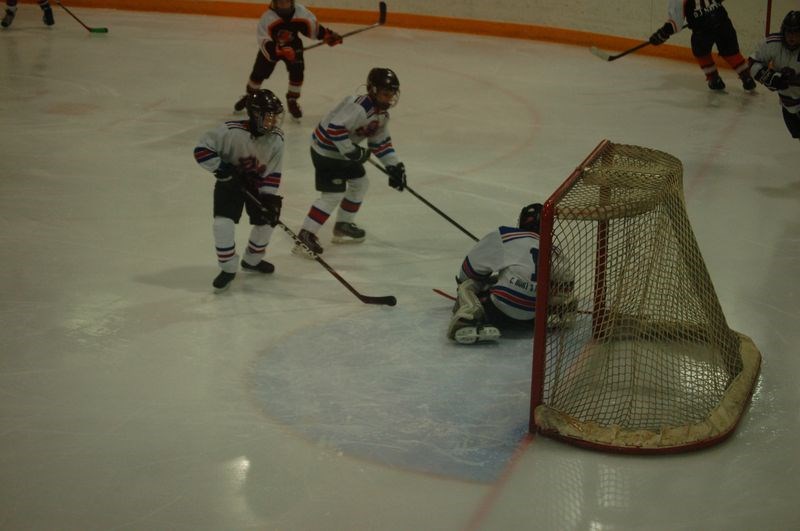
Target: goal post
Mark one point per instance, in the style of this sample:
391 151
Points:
642 359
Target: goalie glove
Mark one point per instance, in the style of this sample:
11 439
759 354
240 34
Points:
662 34
358 154
772 79
397 176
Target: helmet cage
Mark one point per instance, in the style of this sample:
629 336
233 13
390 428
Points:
530 217
265 111
380 80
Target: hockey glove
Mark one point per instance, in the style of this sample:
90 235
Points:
772 80
270 211
359 154
225 173
661 36
332 38
286 53
397 176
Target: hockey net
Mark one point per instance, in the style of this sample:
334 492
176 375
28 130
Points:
642 360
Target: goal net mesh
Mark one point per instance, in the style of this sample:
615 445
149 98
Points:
633 353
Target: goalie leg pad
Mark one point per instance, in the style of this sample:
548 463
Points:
468 314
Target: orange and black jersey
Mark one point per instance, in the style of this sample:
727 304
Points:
697 14
274 30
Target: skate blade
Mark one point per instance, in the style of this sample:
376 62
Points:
347 239
472 334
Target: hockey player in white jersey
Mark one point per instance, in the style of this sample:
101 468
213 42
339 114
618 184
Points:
339 159
497 282
776 65
278 35
245 155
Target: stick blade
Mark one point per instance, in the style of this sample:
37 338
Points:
98 30
388 300
382 17
600 53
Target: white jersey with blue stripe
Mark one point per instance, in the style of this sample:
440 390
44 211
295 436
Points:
511 253
772 53
352 121
258 158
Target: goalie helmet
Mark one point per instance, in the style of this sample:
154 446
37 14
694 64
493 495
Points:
791 23
380 80
285 13
265 111
530 217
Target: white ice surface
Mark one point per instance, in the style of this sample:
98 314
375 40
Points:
132 397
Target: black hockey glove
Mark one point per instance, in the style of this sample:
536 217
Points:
359 154
270 212
661 36
397 176
772 80
225 173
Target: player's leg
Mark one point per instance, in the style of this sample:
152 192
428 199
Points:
702 43
11 12
262 69
728 47
345 230
331 181
260 234
792 121
228 205
47 12
296 71
468 323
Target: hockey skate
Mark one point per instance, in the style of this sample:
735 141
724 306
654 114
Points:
8 18
748 83
469 334
294 108
716 83
344 232
47 16
262 267
310 244
223 280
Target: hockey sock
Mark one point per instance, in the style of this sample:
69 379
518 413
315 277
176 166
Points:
708 66
320 211
257 245
351 202
225 243
738 63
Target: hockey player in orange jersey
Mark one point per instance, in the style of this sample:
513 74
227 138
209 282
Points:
710 25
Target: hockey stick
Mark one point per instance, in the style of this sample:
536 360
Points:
381 22
388 300
605 56
90 30
444 294
415 194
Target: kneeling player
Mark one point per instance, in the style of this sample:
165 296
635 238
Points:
497 283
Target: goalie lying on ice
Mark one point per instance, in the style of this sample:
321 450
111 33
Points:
497 284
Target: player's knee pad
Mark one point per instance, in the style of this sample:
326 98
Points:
357 188
328 201
224 230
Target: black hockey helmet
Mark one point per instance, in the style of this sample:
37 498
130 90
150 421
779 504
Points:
265 111
530 217
285 13
791 22
380 79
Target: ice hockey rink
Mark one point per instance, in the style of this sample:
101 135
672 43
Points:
132 397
